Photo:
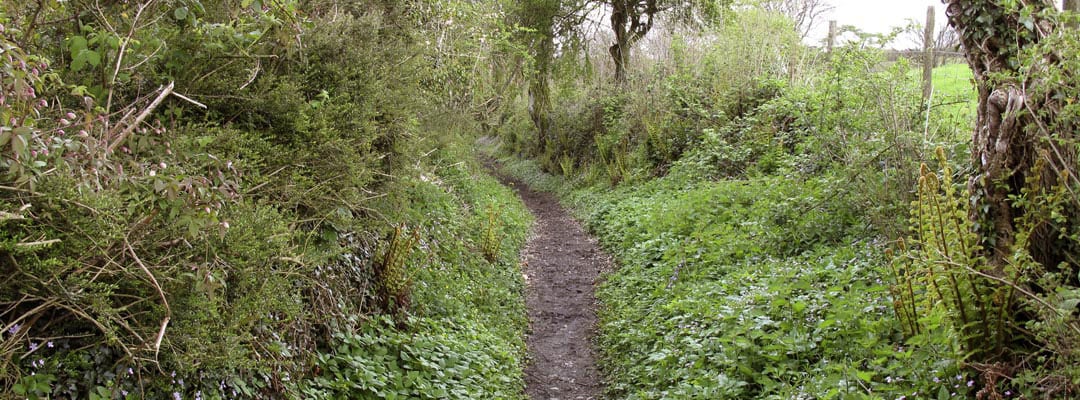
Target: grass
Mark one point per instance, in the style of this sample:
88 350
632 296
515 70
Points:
955 101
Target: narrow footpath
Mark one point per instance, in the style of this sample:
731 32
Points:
562 264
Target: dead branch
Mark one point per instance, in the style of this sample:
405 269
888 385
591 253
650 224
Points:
123 47
189 100
142 116
161 292
38 243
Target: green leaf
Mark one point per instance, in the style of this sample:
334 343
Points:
1069 305
798 307
76 44
865 376
180 13
19 145
83 58
943 393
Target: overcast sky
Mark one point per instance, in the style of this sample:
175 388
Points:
877 16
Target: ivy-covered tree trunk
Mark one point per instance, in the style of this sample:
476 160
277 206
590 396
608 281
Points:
539 15
631 20
1016 151
540 93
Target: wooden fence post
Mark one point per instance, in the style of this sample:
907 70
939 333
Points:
928 55
832 36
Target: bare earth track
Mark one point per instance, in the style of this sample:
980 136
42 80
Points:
562 264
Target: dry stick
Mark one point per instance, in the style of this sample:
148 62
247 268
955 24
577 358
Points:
40 307
254 74
119 123
142 116
189 100
101 327
123 48
168 311
38 243
4 216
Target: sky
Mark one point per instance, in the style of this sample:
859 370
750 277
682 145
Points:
877 16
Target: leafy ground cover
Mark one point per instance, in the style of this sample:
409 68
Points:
464 340
752 288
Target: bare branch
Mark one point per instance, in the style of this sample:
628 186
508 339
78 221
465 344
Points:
142 116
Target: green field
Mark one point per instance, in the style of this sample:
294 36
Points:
954 97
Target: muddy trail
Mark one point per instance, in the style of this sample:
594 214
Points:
562 264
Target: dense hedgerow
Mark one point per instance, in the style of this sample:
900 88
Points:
197 199
466 338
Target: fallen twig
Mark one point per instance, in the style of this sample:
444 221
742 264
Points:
161 292
168 89
38 243
189 100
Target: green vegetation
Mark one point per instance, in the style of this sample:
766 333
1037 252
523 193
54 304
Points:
955 101
240 199
793 224
210 199
466 341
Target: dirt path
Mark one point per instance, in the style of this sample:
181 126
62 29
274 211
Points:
562 265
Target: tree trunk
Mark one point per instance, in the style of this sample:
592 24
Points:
540 101
631 20
1010 132
928 56
1074 6
540 16
831 40
619 51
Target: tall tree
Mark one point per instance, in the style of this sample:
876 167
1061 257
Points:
631 21
1021 146
540 17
